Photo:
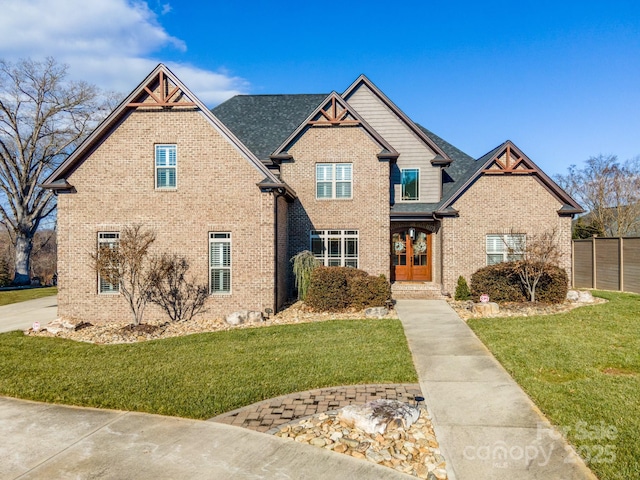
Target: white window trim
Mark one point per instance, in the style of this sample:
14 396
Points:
107 241
506 241
334 181
228 240
155 166
418 189
343 235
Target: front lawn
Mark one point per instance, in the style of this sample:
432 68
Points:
582 369
21 295
200 376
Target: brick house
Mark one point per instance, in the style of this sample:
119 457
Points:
242 188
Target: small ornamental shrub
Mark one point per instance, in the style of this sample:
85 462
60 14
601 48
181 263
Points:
462 289
553 285
503 284
171 291
328 289
499 281
303 264
338 288
369 291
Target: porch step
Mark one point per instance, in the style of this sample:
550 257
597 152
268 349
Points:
425 290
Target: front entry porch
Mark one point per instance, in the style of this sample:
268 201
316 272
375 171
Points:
411 255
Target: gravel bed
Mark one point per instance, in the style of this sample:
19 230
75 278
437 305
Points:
527 309
120 331
414 451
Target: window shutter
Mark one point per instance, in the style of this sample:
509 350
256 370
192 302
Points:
343 190
494 244
343 172
220 254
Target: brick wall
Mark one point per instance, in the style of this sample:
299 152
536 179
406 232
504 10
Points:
497 204
367 211
216 191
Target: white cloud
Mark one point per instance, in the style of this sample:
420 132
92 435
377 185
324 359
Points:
166 8
110 43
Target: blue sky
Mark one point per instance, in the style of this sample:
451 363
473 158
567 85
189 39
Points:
560 79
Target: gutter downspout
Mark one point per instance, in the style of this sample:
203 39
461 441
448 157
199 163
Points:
278 192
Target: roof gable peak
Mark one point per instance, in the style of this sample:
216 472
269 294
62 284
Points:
161 89
148 95
334 111
509 159
364 80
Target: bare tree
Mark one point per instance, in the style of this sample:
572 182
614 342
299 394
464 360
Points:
171 290
44 256
42 118
539 252
128 265
610 190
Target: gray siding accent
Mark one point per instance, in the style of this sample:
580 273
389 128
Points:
413 152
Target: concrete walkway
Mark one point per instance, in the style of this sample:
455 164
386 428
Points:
487 427
20 316
49 441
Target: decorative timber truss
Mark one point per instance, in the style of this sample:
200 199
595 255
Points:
334 112
161 92
509 160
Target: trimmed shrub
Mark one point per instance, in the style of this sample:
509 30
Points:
369 291
499 281
328 289
502 283
334 289
462 290
553 286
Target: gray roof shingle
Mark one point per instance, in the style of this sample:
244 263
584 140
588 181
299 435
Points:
262 122
461 169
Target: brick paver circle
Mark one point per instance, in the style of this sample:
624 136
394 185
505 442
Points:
268 414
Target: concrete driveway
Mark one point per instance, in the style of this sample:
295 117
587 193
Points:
20 316
42 441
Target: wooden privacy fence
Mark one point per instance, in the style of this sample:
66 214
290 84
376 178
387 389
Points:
607 263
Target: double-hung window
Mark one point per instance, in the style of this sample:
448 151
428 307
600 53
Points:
219 262
107 240
334 180
166 167
410 183
335 248
505 248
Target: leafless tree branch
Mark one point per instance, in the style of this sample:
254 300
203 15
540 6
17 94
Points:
43 116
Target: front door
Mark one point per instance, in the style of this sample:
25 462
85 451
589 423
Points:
411 255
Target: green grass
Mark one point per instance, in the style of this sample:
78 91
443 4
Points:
582 369
15 296
200 376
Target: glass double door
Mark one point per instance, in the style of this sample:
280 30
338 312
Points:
411 255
